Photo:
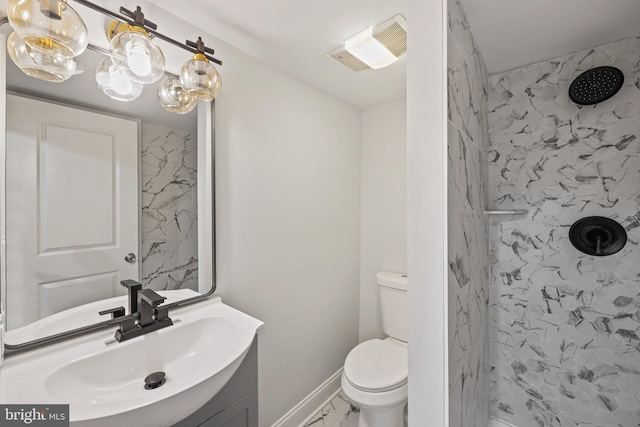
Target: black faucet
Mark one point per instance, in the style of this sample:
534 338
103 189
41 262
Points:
148 300
133 288
144 304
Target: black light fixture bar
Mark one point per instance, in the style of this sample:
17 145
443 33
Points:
138 18
200 47
149 27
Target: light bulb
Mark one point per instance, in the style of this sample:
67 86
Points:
119 82
116 84
138 58
136 55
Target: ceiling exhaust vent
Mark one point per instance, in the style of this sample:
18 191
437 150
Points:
345 58
375 47
393 35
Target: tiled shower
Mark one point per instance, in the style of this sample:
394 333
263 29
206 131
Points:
548 336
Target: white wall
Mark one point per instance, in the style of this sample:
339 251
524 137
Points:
383 210
288 211
288 215
288 183
288 159
427 213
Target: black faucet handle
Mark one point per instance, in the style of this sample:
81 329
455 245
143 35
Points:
133 288
114 312
131 285
151 297
162 313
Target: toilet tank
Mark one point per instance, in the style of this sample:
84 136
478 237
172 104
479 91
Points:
393 302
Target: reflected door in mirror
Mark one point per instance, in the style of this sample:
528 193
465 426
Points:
71 207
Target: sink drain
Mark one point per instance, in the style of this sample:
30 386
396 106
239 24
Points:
154 380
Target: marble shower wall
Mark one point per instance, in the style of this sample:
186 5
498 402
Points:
169 209
565 326
468 256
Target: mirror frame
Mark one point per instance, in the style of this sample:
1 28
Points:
206 134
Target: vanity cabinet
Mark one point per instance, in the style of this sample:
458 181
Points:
236 405
243 413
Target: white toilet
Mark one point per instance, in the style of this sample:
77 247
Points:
375 372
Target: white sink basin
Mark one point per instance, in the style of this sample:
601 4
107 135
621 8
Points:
103 380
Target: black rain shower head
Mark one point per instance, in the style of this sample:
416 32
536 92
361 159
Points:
596 85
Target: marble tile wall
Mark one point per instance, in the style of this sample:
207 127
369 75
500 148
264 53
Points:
169 209
468 142
564 326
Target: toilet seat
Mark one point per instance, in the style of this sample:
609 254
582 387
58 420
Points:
377 366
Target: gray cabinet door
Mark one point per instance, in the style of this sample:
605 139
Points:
243 413
243 382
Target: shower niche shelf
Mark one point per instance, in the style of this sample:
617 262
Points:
495 216
507 212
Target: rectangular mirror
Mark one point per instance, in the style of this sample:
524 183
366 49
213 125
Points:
97 191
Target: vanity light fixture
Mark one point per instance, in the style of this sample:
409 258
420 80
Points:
50 26
115 83
49 34
375 47
198 76
174 98
132 50
38 64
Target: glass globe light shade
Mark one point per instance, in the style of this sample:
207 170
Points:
51 26
41 65
200 78
116 84
174 98
135 54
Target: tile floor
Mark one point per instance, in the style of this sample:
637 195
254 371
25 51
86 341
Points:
337 413
340 412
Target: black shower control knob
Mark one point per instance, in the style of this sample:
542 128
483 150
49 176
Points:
598 236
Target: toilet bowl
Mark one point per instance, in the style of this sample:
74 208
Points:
376 371
375 379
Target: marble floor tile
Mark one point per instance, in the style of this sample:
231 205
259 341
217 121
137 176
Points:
350 419
337 411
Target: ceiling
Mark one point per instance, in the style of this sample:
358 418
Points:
512 33
290 35
295 35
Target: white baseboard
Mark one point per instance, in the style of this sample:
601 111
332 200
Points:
319 397
495 422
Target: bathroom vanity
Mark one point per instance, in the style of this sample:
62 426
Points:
140 219
209 357
236 405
